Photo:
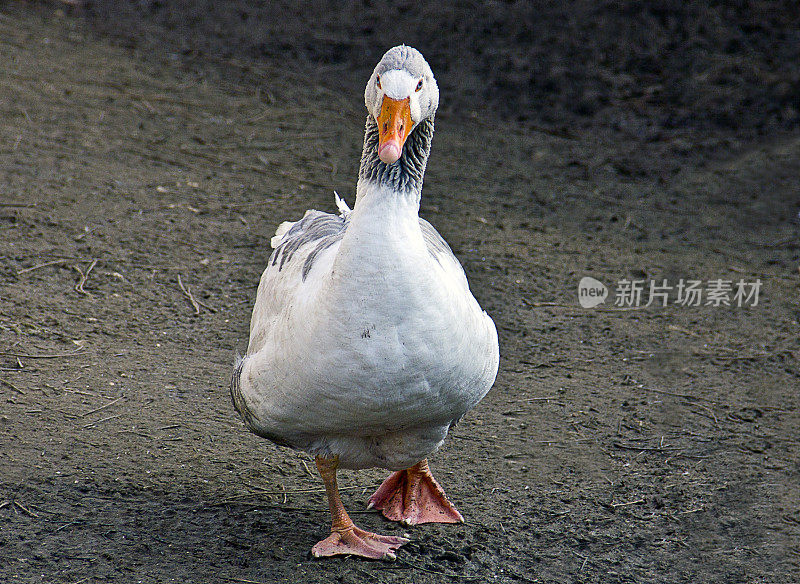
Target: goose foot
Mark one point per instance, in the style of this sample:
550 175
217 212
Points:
345 537
357 542
413 496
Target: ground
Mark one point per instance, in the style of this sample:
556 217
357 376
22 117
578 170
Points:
147 156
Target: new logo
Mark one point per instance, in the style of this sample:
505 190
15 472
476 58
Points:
591 292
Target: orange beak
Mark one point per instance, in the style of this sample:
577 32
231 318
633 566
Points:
394 126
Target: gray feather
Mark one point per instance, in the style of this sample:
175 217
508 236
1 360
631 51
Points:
249 418
406 174
433 241
321 229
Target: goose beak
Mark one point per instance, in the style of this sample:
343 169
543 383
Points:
394 126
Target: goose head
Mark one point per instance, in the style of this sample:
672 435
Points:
401 93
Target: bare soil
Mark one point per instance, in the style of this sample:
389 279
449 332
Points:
147 154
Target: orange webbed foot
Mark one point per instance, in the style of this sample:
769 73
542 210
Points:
358 542
413 496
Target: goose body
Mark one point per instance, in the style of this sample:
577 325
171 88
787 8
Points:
366 344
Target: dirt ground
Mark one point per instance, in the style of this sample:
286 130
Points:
147 155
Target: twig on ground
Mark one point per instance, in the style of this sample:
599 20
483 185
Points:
643 448
104 406
242 580
36 267
84 277
584 558
18 205
188 293
710 412
40 355
136 433
82 392
532 399
636 502
25 509
579 307
92 424
206 306
12 386
68 525
473 438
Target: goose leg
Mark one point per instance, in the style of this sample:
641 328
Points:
345 537
413 496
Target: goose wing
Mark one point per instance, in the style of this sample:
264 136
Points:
301 249
441 252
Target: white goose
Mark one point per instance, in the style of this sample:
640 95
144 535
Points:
366 344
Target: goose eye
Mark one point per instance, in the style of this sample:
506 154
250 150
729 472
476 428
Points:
378 81
419 85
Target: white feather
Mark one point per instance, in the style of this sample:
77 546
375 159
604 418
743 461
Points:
275 241
341 204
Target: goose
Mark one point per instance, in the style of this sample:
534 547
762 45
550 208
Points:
366 344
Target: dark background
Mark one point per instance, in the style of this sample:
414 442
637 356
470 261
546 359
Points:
651 70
